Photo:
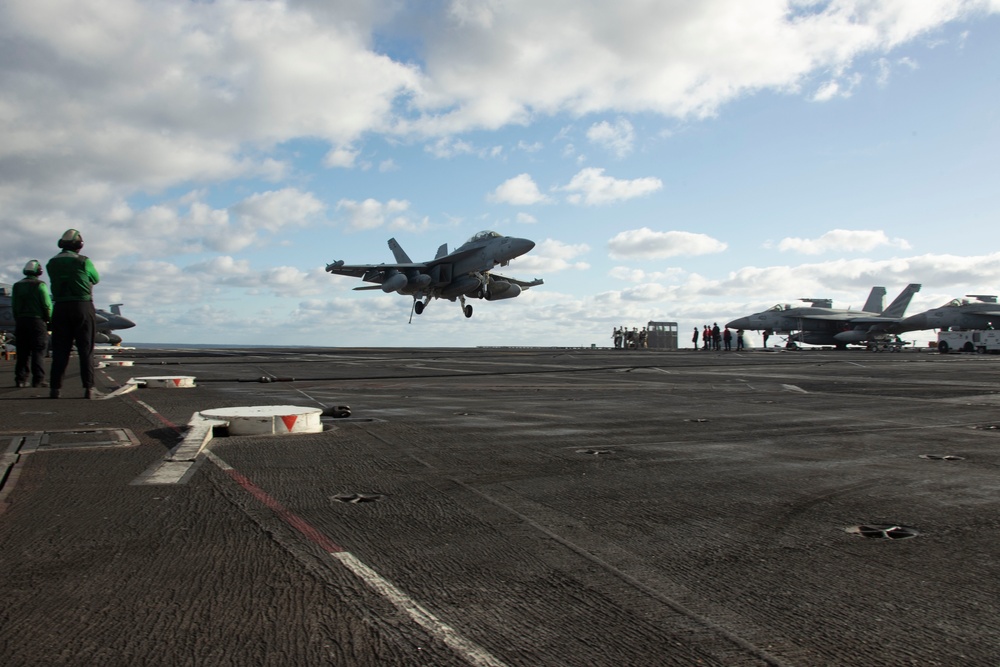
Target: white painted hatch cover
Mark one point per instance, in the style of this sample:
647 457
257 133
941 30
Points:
268 419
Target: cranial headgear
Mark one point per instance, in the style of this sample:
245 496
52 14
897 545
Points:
71 240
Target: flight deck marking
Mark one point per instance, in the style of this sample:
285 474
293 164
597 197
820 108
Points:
472 652
177 466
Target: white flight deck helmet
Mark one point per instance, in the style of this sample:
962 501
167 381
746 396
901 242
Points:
32 268
71 240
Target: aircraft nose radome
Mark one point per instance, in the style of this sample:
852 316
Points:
125 323
521 246
739 323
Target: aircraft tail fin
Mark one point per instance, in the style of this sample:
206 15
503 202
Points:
398 252
899 305
442 251
875 302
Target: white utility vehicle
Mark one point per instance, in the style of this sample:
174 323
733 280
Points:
971 340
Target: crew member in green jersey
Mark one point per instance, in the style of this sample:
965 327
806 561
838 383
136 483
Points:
32 308
74 320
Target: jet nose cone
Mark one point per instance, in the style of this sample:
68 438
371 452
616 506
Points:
124 323
739 323
521 246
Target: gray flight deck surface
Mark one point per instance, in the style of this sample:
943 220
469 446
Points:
511 507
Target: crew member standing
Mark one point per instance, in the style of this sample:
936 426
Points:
74 321
32 308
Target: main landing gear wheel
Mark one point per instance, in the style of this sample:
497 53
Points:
418 307
468 311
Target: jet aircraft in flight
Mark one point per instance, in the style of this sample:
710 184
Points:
983 313
819 324
466 272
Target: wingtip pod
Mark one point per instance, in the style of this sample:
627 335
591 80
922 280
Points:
336 265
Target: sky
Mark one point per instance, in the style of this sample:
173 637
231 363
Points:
672 161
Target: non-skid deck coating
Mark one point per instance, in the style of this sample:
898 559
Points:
511 507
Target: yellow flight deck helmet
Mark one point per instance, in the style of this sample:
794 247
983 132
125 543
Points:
71 240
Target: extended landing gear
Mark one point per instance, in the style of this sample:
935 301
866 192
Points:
418 307
466 310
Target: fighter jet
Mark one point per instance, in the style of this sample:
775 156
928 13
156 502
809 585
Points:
819 324
466 272
107 323
983 313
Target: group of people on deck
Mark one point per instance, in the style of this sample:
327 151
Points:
714 338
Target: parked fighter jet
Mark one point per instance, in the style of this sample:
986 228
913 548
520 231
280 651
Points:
107 322
983 313
822 325
456 275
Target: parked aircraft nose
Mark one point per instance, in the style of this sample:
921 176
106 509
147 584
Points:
739 323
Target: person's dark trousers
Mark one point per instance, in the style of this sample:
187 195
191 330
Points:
32 338
73 323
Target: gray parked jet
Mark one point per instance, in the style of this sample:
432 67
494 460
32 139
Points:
819 324
983 313
107 323
456 275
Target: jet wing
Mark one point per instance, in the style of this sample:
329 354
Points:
520 283
362 270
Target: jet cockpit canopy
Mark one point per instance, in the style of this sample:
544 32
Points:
485 234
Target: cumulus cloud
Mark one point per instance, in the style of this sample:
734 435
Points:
645 243
520 190
152 93
341 157
550 256
591 187
842 240
278 208
631 275
618 138
371 213
682 60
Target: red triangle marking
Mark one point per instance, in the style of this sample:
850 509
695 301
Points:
289 421
177 382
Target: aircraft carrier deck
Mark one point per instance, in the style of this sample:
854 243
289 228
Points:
507 507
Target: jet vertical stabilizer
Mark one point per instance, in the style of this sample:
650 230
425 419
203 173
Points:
899 305
875 301
398 252
442 251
